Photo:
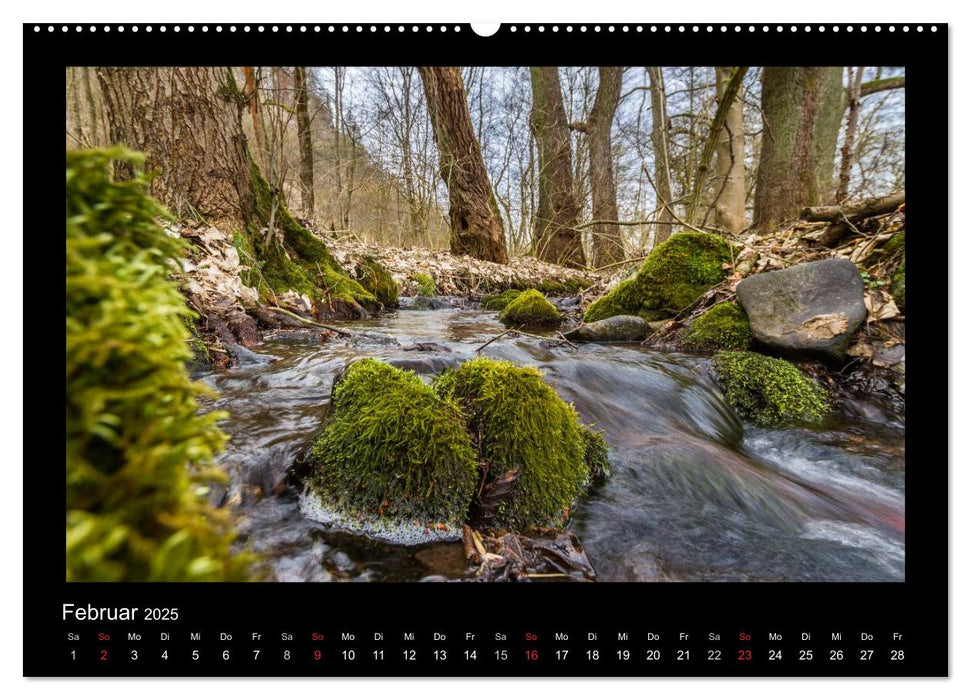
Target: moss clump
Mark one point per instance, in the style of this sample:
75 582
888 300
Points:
292 257
498 302
723 327
568 286
519 423
675 274
139 453
770 391
898 285
393 448
426 285
530 308
595 453
895 244
375 278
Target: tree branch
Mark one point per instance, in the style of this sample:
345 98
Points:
880 85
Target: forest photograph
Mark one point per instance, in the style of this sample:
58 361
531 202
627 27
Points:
485 324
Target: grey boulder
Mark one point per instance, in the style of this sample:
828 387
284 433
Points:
813 308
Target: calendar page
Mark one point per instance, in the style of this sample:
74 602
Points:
537 363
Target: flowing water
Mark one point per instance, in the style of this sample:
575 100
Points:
694 495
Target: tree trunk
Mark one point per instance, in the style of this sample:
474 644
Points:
253 97
476 225
608 246
187 121
306 142
662 156
803 107
729 202
847 153
188 125
555 237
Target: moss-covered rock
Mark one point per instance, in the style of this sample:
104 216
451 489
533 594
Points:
375 278
498 302
426 285
392 448
895 244
770 391
675 274
530 308
898 286
595 453
522 426
723 327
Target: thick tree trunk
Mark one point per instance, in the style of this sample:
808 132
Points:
555 237
306 141
803 107
730 160
188 125
476 224
662 157
608 246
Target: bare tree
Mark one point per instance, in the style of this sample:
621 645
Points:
306 141
662 155
729 200
473 214
555 236
607 246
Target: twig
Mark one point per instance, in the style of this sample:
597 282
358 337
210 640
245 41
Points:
494 339
333 329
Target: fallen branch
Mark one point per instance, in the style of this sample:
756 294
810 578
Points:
875 206
298 317
518 331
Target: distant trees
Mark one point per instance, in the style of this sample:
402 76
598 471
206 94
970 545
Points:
556 238
473 214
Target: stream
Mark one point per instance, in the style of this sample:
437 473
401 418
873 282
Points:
694 494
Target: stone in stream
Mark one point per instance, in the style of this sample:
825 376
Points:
247 358
372 338
427 303
812 308
614 329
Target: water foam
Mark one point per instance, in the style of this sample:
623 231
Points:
381 529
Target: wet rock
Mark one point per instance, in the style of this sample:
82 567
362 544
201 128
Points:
245 357
426 347
371 338
813 308
613 329
244 328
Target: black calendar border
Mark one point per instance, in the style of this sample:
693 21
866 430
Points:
919 606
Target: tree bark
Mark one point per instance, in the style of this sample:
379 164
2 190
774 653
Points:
555 238
306 141
729 202
608 246
474 218
187 123
662 157
803 107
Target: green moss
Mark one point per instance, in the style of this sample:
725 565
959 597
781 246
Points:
570 285
595 453
392 448
519 423
898 285
297 259
375 278
895 244
498 302
723 327
530 308
139 452
426 285
675 274
770 391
